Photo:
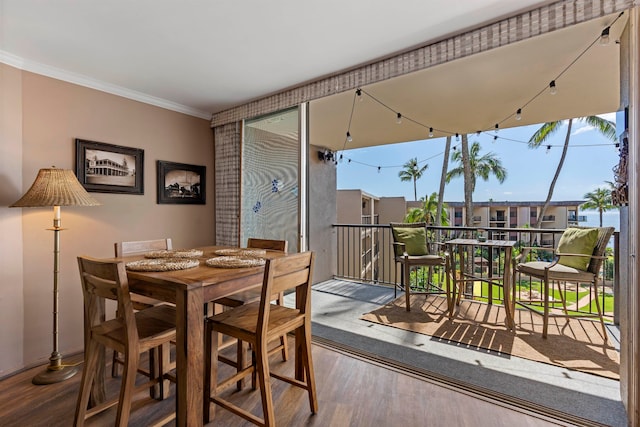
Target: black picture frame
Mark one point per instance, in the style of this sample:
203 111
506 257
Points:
180 183
108 168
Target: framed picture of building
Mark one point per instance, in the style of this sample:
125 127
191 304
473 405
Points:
108 168
181 183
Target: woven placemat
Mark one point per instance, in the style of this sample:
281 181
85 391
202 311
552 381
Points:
234 262
162 264
242 252
174 253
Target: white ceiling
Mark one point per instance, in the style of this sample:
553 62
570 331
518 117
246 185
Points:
201 57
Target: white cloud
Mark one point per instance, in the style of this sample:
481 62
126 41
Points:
582 129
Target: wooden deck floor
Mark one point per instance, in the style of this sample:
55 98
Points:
352 391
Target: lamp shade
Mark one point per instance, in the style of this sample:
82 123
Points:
56 187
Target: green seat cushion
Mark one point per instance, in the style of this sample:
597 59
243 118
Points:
577 241
414 239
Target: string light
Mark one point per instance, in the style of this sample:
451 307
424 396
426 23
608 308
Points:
548 149
604 37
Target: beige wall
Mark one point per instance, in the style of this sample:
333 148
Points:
52 114
11 283
322 215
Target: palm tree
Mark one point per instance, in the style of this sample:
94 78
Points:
598 199
443 179
412 172
605 127
428 212
479 166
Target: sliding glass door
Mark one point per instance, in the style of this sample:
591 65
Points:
271 179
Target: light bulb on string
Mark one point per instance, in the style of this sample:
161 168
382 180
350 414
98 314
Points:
430 132
349 138
495 137
340 157
604 37
457 137
552 87
399 118
497 127
359 93
378 169
548 149
519 114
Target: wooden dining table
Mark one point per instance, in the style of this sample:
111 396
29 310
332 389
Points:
189 290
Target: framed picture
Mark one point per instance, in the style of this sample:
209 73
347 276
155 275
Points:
108 168
181 183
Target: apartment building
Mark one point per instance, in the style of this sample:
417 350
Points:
505 214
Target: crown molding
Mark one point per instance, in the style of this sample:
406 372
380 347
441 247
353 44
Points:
81 80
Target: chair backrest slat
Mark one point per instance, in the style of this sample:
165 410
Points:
105 280
282 274
141 246
275 245
604 235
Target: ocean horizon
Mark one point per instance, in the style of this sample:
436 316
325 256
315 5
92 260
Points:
609 219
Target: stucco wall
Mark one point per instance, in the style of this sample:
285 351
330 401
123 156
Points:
52 114
322 214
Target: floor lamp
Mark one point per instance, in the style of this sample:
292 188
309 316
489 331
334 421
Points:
55 187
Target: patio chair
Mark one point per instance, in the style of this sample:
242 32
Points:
578 259
412 249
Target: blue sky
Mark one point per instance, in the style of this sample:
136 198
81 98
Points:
588 165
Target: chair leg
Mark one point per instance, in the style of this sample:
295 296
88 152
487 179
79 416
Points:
545 316
283 338
563 299
605 335
88 374
407 285
308 365
211 371
264 381
129 373
114 364
241 352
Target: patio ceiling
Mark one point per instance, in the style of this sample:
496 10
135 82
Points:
477 92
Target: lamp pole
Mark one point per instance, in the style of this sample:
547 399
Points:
56 371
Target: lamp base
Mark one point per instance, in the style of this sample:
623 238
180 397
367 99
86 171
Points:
56 372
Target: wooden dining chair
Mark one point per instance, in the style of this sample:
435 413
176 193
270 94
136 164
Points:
130 333
258 324
247 297
140 302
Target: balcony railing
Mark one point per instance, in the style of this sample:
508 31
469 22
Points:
354 260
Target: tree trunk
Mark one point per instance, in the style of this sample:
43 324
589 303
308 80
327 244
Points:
468 203
600 211
443 177
555 177
468 182
415 190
